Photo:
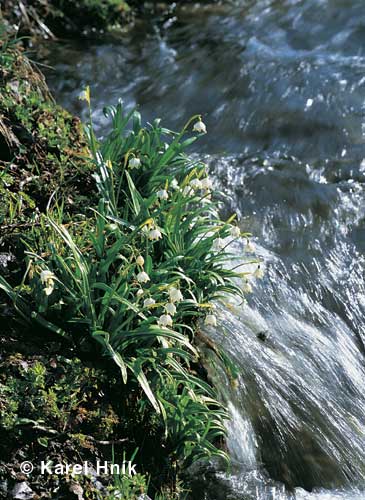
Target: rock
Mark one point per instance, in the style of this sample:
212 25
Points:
22 491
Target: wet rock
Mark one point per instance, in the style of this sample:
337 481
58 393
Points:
22 491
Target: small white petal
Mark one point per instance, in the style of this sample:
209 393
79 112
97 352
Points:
140 292
174 184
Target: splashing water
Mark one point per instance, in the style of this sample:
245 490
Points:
281 86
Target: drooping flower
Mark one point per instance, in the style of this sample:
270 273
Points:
206 183
175 295
235 232
143 277
210 320
47 279
200 127
149 302
218 243
165 320
259 273
250 247
85 95
154 234
140 260
134 162
196 184
162 194
140 292
247 288
174 184
170 308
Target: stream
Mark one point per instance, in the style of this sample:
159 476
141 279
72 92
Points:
281 87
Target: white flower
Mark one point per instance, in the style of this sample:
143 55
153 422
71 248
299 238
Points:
247 288
170 308
196 184
154 234
206 183
218 243
175 295
174 184
142 277
235 232
210 320
165 320
250 247
139 292
259 273
200 127
47 278
149 302
134 162
162 194
140 260
188 191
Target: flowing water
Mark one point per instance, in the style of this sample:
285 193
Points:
281 87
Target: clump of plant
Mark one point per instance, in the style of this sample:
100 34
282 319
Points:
135 282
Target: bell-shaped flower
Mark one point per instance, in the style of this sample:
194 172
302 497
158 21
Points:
134 162
149 302
175 295
235 232
250 247
200 127
259 273
165 320
143 277
170 308
247 288
162 194
154 234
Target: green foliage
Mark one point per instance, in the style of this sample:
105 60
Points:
140 276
